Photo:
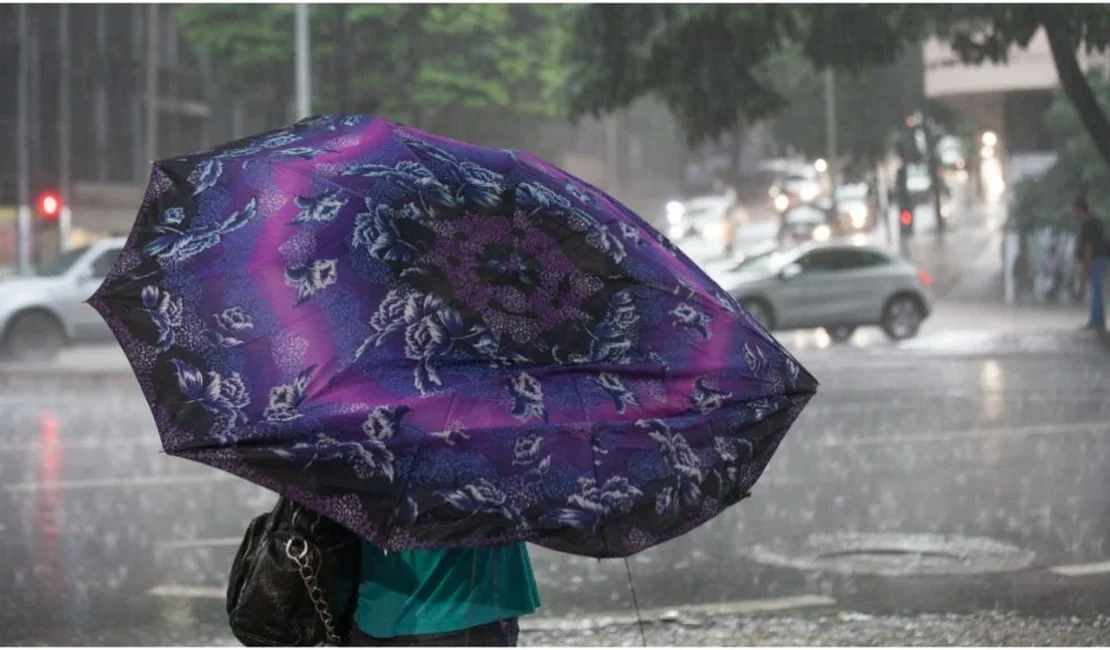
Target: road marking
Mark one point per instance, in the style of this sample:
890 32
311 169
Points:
1073 570
737 607
94 443
80 484
964 434
188 591
201 543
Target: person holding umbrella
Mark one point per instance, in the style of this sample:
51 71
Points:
455 597
435 353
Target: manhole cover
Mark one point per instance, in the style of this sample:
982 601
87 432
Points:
895 554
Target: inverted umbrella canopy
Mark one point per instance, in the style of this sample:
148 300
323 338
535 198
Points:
440 345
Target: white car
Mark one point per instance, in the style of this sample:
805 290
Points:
701 216
857 206
834 285
42 313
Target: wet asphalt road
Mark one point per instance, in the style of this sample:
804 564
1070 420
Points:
104 540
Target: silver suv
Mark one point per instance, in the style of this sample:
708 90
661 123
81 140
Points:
838 286
42 313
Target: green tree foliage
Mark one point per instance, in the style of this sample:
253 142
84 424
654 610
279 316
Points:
709 62
434 66
1077 171
988 33
719 65
871 105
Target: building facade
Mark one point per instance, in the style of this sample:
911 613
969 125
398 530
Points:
1007 99
135 92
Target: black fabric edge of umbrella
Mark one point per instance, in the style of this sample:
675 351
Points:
226 460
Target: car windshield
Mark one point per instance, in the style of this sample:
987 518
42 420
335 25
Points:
63 263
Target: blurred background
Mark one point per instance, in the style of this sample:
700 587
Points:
888 187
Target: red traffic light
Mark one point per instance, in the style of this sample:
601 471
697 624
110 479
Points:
906 217
50 205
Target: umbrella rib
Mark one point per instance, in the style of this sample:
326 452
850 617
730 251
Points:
635 601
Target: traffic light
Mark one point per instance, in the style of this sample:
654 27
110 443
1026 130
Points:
905 220
50 206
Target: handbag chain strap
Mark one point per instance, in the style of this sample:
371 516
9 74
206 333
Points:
308 575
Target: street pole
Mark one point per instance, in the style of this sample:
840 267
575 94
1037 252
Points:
830 126
22 144
303 71
65 216
153 50
342 60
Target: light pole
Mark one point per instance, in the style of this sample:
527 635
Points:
303 71
65 218
22 143
153 47
830 125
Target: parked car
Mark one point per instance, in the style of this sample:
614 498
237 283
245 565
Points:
42 313
833 285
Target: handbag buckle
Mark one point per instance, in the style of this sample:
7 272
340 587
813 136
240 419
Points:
289 549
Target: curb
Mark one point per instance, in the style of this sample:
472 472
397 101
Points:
977 343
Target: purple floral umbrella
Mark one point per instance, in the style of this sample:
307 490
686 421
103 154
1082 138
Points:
441 345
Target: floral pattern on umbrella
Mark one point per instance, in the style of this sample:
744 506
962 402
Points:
441 345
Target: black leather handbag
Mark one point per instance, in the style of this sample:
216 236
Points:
294 580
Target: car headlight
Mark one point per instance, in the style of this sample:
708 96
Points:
715 231
782 202
822 232
809 193
858 214
675 210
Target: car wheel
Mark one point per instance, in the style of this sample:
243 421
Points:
840 333
34 336
760 311
902 318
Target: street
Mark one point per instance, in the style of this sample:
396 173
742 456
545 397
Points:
924 479
296 218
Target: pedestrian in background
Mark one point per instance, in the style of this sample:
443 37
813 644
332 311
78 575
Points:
1023 272
1093 251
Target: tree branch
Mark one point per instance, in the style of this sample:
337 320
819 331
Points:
1075 86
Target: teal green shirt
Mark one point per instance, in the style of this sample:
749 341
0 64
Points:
439 591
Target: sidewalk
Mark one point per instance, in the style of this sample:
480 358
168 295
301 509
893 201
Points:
957 315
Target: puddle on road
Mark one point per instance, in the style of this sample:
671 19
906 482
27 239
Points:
895 554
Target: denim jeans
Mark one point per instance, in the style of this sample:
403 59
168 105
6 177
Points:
1099 266
491 635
